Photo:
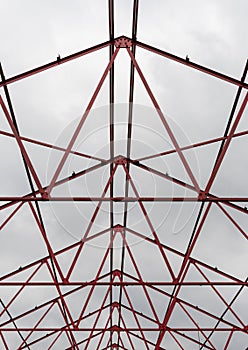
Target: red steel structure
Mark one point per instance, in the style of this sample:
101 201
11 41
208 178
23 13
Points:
189 303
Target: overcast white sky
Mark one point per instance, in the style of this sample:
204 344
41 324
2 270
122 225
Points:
48 107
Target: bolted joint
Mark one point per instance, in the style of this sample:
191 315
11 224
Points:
116 273
118 228
162 326
45 195
115 305
123 42
120 160
176 281
201 196
115 328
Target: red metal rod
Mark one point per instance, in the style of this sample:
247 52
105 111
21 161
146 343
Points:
193 243
115 346
148 341
140 278
154 288
181 274
193 340
62 181
146 216
192 260
134 315
127 333
4 341
44 305
99 312
48 245
84 340
174 251
44 259
214 269
228 340
139 313
134 42
90 225
96 278
183 184
20 290
93 335
111 331
48 145
125 199
21 146
226 145
129 134
104 330
125 283
173 301
233 221
122 329
68 324
196 325
176 340
190 64
61 297
55 340
111 136
82 120
220 296
36 326
10 216
194 145
165 123
54 63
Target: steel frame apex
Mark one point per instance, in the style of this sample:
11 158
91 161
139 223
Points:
118 228
116 328
120 160
123 42
115 305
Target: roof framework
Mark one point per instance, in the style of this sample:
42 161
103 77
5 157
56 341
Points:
128 285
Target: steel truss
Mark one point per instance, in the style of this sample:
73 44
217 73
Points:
117 319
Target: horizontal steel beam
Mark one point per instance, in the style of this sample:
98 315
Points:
126 284
120 329
124 199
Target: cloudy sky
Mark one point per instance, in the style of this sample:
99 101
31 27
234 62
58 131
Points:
48 107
